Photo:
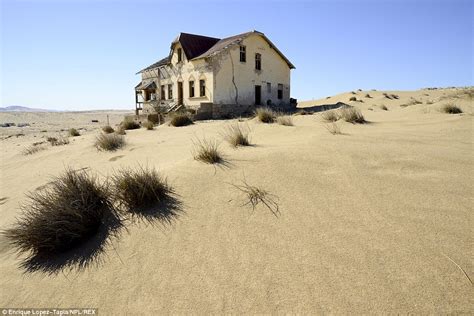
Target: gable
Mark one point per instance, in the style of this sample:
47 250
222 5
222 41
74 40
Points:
194 45
228 42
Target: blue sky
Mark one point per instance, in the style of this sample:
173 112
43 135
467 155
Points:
83 54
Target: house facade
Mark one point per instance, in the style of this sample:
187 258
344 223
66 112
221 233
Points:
216 77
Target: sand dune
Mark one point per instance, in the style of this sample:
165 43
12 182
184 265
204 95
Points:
376 220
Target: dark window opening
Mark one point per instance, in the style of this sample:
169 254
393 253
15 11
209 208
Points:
258 61
202 88
162 92
280 91
191 89
179 55
243 54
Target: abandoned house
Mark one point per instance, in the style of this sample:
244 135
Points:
215 77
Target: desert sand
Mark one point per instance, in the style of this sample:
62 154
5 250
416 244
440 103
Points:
376 220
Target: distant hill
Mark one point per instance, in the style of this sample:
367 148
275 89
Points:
18 108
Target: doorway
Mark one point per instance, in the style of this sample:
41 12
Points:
258 95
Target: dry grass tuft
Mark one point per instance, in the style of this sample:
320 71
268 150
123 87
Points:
32 149
255 195
383 107
108 129
411 102
207 151
285 120
59 141
149 125
303 112
451 109
60 217
265 115
143 192
236 135
181 119
368 96
330 116
109 142
333 128
352 99
130 124
74 132
352 115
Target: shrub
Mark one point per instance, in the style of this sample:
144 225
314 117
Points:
451 109
265 115
58 141
149 125
352 99
207 151
74 132
352 115
130 124
61 216
181 119
120 131
285 120
109 142
235 135
368 96
383 107
333 128
330 116
138 190
108 129
429 102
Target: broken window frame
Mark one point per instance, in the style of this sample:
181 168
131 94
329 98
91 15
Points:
191 89
170 91
243 54
162 91
258 61
202 88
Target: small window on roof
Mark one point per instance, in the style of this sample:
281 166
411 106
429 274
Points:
180 53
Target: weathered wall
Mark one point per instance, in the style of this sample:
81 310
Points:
184 71
228 66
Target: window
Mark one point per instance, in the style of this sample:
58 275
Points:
202 88
243 54
269 87
191 89
258 61
162 92
170 91
280 91
179 54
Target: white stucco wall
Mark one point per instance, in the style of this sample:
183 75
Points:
274 70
